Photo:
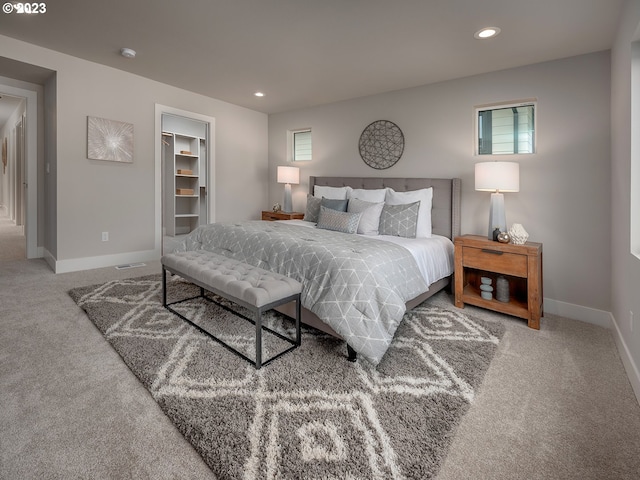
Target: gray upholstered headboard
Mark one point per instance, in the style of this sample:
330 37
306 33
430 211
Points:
445 213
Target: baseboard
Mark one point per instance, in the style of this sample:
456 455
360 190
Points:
50 259
89 263
627 360
578 312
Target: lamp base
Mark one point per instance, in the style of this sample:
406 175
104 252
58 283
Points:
497 217
287 208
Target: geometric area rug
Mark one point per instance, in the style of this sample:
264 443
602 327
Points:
310 414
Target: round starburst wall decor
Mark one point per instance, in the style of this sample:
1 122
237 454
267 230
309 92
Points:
381 144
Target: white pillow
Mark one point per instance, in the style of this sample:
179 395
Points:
370 219
333 193
425 197
375 196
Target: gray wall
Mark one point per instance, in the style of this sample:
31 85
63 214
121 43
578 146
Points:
564 199
95 196
625 285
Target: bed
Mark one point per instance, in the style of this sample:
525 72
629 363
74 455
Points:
355 287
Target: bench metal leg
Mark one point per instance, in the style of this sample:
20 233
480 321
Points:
258 339
298 317
164 287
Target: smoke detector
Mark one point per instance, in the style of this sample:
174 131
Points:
128 53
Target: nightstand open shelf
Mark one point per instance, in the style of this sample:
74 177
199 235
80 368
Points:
521 265
517 304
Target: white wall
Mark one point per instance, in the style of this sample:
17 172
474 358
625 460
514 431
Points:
564 198
625 285
95 196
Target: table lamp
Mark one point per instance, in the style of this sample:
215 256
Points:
288 175
497 177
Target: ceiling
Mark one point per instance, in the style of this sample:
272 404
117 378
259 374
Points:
302 53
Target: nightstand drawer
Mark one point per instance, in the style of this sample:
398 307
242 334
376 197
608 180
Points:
272 216
495 261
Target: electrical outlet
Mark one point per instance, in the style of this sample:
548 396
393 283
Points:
105 236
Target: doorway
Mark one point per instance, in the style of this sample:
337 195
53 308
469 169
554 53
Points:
19 201
12 177
185 174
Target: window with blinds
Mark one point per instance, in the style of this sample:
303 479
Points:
505 129
301 147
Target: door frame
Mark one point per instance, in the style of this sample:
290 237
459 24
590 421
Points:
211 211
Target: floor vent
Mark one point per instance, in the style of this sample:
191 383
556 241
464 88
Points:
130 265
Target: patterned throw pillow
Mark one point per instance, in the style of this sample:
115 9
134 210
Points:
399 220
424 196
338 221
313 208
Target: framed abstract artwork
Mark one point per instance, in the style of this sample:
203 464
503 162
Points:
109 140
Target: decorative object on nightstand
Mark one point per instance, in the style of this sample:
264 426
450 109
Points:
504 237
486 290
477 259
277 207
519 235
502 289
497 177
288 176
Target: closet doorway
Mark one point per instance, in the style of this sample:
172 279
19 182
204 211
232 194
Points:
187 174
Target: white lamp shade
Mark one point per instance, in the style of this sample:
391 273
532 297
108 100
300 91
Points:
289 175
497 176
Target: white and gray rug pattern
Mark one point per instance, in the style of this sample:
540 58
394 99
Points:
309 414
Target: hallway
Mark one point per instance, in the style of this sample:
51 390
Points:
12 240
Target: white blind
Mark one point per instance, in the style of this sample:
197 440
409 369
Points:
302 145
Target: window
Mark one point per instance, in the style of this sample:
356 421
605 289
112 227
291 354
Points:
505 129
301 147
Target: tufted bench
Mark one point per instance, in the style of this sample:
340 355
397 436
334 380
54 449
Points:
251 287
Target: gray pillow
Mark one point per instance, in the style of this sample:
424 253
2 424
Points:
370 220
339 205
344 222
400 220
313 209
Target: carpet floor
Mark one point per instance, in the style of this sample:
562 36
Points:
310 413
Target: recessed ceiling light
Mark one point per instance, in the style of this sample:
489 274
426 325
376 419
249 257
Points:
127 53
259 94
487 32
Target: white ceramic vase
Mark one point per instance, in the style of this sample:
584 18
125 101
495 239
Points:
518 234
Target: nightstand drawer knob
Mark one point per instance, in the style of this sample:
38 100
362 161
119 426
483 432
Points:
494 252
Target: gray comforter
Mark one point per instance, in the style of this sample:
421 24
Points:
356 285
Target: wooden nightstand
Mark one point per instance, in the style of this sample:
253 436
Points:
521 265
271 216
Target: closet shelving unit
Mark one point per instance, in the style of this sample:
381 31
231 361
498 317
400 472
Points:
185 188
